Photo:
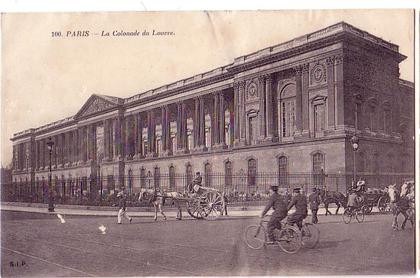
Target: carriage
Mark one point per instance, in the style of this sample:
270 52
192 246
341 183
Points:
204 202
375 197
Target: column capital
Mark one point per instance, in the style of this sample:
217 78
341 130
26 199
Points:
305 68
330 61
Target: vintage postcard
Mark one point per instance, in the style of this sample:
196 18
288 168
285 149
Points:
208 143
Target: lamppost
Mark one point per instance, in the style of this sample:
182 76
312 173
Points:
50 145
355 145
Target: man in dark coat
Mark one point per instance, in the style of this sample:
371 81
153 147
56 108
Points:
314 201
279 205
299 202
122 204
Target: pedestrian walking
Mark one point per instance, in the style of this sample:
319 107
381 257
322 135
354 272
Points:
224 203
123 207
314 201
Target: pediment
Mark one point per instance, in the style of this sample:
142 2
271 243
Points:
96 104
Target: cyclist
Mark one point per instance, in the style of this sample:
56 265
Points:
279 206
352 202
299 202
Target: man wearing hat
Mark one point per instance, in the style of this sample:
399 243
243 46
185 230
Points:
299 202
314 201
122 206
197 182
279 206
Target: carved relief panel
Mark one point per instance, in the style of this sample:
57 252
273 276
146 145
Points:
251 91
317 74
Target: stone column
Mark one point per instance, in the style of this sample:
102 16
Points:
165 130
163 127
184 128
202 134
119 137
339 81
180 127
75 146
216 120
151 133
106 139
222 139
261 90
168 130
298 78
127 137
269 116
196 124
139 142
331 93
305 100
242 112
236 122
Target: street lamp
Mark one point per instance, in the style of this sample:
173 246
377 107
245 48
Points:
50 145
355 145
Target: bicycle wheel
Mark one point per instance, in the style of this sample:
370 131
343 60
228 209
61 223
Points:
310 235
289 239
360 215
347 215
255 236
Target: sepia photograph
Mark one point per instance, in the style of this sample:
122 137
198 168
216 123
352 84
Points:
208 143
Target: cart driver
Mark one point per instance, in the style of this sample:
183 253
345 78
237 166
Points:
197 182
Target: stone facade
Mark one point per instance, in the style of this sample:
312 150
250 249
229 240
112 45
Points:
296 104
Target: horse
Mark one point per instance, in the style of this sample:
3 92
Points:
329 197
400 205
157 199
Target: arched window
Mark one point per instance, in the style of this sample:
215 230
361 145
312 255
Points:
172 177
318 169
156 177
207 174
252 172
189 173
286 110
142 178
228 174
283 174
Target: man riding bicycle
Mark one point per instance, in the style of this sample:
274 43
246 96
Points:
279 206
300 203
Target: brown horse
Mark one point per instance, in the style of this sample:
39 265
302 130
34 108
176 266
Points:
332 197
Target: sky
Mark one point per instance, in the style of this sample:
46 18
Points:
46 78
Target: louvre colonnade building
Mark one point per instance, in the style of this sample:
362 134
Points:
289 108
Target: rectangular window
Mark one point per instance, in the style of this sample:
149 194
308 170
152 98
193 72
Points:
319 117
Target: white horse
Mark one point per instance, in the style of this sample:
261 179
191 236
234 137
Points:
399 205
157 199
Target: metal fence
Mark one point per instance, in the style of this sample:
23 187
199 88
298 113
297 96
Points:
238 187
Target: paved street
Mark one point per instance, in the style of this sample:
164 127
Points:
36 244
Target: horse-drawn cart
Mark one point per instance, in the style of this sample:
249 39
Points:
375 197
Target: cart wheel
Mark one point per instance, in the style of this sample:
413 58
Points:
255 236
382 204
195 208
289 239
347 215
310 235
212 204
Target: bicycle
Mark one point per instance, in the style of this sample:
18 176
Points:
288 238
310 235
358 213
